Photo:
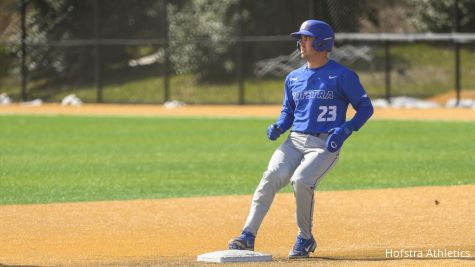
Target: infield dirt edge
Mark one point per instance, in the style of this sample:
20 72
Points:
355 226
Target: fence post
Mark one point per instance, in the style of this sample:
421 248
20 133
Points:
166 64
24 70
97 53
457 52
387 63
457 72
239 58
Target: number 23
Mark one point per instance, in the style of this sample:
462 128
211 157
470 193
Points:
327 113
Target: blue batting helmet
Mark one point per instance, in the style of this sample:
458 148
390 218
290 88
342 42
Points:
321 31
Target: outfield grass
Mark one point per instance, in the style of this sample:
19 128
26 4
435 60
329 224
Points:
64 158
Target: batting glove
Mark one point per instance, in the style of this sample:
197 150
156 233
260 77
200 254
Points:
273 132
338 135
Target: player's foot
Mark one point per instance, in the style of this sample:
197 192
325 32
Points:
303 247
244 241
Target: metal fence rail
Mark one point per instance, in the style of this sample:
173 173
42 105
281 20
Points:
456 40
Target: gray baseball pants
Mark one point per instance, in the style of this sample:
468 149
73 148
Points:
303 160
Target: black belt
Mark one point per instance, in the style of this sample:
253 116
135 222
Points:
312 134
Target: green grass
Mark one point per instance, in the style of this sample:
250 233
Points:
65 158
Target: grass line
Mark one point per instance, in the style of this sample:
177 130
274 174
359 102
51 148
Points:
78 158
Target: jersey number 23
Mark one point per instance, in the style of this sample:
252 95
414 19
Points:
327 113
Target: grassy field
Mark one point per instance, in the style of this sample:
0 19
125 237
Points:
64 158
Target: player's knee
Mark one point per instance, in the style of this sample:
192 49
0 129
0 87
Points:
275 178
276 173
300 186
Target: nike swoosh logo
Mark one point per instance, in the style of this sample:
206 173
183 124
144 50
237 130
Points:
307 249
332 77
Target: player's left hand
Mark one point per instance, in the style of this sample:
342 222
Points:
338 135
273 132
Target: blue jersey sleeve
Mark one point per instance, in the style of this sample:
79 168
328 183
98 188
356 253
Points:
359 99
286 118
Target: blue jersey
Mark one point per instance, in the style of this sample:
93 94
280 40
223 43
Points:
316 100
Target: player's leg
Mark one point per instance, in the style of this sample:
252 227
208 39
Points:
281 167
304 181
315 165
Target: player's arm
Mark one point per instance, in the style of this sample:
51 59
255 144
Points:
361 102
286 118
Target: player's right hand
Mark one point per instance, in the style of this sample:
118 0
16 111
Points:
273 132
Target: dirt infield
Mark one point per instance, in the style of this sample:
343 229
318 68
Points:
359 228
271 111
352 227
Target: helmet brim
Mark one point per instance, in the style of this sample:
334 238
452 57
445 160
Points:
300 33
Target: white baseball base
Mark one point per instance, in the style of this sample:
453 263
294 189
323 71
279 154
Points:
234 256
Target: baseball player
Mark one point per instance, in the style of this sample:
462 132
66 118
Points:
316 98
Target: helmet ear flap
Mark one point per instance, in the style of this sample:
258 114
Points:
316 44
322 45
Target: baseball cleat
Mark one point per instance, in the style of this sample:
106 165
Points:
244 242
303 247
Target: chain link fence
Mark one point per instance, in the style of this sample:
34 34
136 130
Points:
119 54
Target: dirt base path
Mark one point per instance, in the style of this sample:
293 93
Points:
352 227
271 111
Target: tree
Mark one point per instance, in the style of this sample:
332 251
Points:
9 23
438 16
202 35
54 21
